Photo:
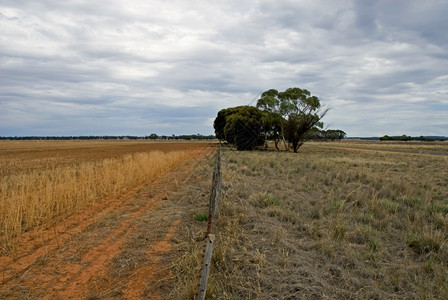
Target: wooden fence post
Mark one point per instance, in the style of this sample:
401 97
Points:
206 267
215 193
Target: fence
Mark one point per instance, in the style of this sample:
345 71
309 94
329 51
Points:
215 195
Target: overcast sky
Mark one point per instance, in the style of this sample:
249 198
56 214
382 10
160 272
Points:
133 67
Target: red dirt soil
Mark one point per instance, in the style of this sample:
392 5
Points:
75 258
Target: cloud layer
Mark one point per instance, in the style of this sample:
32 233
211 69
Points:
137 67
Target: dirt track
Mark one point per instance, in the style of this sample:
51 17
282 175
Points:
112 249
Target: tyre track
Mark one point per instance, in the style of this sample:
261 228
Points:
137 284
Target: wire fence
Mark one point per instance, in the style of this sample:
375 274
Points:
215 195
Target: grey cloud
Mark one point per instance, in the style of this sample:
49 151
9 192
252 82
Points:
365 19
171 66
426 19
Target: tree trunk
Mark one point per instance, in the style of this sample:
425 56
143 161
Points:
283 138
295 145
266 140
298 145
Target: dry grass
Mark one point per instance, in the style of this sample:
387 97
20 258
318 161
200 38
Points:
326 224
31 197
416 146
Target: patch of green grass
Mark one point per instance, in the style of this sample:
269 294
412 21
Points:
339 232
266 200
389 205
438 208
201 217
373 245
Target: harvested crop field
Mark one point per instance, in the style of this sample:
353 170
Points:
23 156
113 247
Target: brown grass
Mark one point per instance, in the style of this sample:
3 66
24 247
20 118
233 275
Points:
326 223
416 146
41 181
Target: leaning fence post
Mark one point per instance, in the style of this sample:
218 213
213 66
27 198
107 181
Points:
206 267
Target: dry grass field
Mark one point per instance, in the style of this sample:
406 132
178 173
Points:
437 148
330 222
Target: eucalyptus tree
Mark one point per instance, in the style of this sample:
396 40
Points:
296 110
272 128
240 126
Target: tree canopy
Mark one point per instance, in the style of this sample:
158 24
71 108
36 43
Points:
293 116
241 126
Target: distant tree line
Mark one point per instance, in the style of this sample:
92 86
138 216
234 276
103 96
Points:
326 135
198 136
152 136
409 138
81 137
290 118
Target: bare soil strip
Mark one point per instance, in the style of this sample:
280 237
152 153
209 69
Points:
79 257
137 284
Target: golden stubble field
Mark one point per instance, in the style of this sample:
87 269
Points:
43 180
87 219
334 221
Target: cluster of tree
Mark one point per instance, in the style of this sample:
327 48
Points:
198 136
152 136
406 138
80 137
326 135
284 117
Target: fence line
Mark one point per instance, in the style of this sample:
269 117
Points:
215 195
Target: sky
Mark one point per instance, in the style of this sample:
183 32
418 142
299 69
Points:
138 67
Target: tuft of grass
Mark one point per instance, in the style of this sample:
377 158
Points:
339 232
373 245
201 217
266 200
390 206
424 242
